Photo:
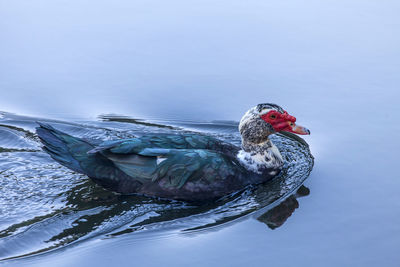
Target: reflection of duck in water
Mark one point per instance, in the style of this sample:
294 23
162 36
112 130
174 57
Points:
187 166
278 215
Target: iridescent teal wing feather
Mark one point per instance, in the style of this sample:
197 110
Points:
174 159
169 141
175 166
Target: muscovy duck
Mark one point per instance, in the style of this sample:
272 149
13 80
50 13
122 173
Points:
191 167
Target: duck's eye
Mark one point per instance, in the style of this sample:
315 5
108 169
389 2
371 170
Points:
292 124
273 116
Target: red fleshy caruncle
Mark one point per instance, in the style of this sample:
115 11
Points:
279 121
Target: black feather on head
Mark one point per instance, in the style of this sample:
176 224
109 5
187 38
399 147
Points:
260 107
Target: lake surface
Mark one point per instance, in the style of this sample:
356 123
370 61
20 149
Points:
198 66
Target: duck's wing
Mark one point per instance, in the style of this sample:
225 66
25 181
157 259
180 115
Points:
173 168
167 141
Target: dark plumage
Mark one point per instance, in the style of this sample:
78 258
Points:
191 166
261 107
186 167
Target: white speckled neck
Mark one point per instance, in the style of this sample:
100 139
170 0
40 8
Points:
264 156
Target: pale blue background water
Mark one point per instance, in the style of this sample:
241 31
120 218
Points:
332 64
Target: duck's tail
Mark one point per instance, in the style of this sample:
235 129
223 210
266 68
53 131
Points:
71 152
63 148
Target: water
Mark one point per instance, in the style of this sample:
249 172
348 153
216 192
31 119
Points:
333 65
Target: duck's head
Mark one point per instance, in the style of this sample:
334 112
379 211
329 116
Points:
265 119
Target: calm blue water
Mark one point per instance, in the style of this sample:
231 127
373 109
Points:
332 64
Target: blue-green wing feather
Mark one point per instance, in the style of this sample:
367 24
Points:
194 165
175 159
176 166
168 141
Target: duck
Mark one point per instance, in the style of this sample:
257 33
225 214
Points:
187 166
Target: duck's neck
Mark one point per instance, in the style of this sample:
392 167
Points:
260 157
